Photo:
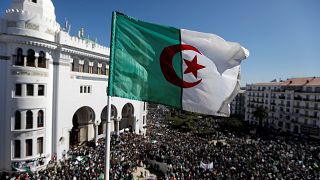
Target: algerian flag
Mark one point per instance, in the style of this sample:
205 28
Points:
185 69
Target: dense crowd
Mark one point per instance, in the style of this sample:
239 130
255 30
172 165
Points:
184 155
241 157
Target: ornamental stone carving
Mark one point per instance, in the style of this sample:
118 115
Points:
32 26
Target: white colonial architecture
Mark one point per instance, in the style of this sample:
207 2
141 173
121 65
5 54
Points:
291 106
53 88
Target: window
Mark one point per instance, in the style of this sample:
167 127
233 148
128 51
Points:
86 67
29 120
72 66
30 90
288 96
42 60
309 89
17 120
34 1
40 145
85 89
100 128
17 147
81 66
288 103
18 89
144 119
103 69
31 58
28 147
287 125
19 58
40 90
40 118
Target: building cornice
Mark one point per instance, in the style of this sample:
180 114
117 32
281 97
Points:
20 39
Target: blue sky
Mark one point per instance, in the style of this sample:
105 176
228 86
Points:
283 36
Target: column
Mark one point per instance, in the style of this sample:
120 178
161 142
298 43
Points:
96 133
36 61
118 126
25 61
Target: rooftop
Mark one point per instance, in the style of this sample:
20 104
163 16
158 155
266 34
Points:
305 81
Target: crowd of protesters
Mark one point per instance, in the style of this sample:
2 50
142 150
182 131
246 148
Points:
188 156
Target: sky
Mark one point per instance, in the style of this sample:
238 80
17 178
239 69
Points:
283 36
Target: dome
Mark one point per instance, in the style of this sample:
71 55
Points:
43 8
35 18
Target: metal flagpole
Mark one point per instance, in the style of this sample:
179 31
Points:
108 138
107 142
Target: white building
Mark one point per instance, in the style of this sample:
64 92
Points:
292 105
53 88
237 106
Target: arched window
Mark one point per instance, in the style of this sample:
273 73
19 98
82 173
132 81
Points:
86 66
17 148
28 147
17 120
95 67
29 120
103 69
100 128
42 60
40 118
31 58
19 57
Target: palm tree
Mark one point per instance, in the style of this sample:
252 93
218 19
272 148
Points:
261 114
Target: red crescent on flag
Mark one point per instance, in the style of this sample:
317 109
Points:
166 58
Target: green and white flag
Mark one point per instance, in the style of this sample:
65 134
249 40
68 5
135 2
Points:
190 70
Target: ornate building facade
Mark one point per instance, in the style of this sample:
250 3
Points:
53 88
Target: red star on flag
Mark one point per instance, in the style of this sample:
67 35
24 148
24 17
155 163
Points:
193 66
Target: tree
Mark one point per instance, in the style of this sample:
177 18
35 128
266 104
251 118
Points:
261 114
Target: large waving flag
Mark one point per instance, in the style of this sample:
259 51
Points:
190 70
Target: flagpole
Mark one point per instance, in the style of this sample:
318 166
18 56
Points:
107 142
108 127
